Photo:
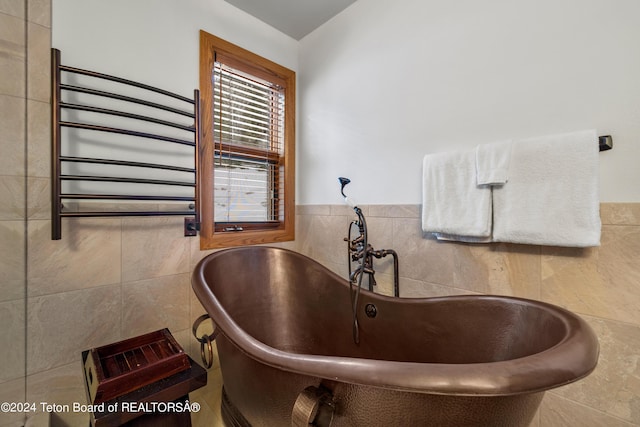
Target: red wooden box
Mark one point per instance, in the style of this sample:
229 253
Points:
119 368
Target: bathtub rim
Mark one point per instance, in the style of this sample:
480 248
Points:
529 374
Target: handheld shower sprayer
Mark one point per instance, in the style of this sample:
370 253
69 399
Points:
359 250
343 183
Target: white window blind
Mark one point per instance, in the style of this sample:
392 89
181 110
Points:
249 147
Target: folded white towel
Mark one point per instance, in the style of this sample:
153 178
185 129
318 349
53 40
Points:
492 163
552 196
452 203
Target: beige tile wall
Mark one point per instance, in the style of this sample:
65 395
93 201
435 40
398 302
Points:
601 284
105 280
13 102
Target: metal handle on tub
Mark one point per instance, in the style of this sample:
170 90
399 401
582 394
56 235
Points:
205 339
314 407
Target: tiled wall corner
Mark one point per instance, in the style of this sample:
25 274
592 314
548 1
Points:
12 129
12 260
13 62
12 319
39 139
12 54
39 63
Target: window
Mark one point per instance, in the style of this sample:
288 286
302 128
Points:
247 147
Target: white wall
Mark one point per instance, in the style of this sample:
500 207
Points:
385 83
157 41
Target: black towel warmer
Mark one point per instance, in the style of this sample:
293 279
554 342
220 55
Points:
89 103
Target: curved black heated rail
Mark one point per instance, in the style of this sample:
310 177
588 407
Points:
57 177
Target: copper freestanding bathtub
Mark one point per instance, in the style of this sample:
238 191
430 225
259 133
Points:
288 357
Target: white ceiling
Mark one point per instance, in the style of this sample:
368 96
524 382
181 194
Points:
296 18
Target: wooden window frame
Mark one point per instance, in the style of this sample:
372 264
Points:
212 237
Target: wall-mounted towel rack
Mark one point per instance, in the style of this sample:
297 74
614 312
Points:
99 124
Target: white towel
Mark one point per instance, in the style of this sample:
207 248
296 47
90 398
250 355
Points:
552 196
452 203
492 163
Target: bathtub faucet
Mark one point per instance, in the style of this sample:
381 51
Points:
359 250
